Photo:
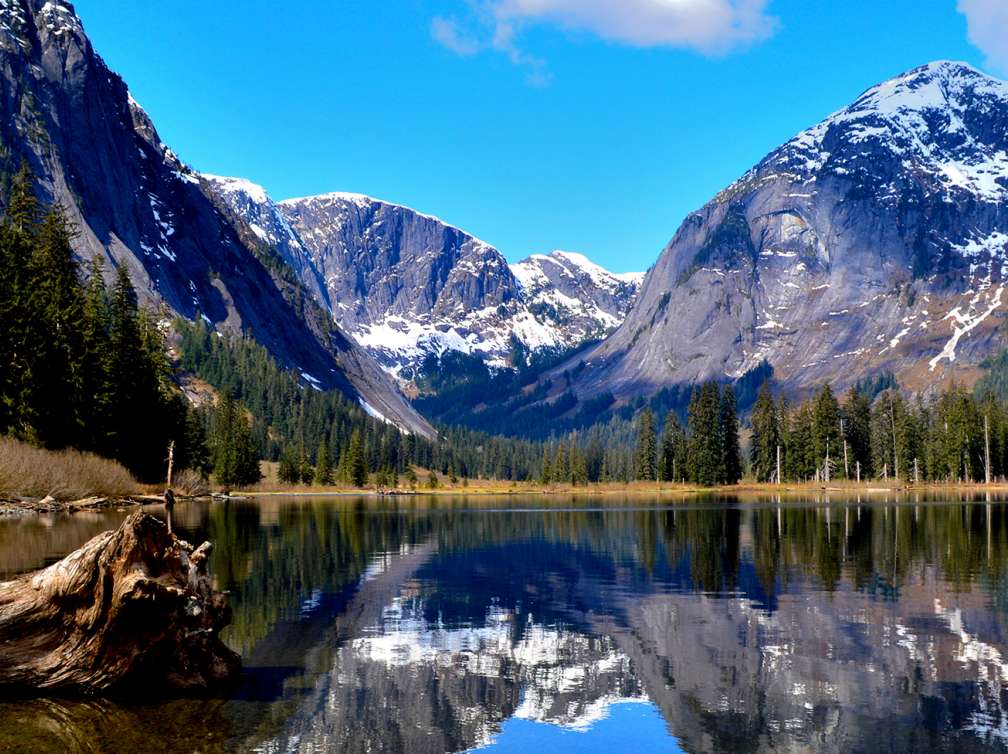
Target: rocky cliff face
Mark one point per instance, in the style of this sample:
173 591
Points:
876 240
573 294
135 203
405 284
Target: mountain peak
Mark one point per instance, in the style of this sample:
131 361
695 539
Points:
945 121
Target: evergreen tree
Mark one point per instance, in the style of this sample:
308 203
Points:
646 457
19 340
826 438
195 453
56 301
546 472
357 465
672 462
705 451
801 455
323 471
289 470
731 455
561 472
857 428
766 436
235 461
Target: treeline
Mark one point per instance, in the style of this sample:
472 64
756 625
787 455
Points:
959 437
706 451
83 365
322 436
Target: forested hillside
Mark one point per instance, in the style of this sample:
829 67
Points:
83 366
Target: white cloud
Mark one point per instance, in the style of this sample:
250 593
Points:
447 33
987 29
708 26
711 27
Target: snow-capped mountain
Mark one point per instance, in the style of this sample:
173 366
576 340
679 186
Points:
569 291
406 284
132 201
876 240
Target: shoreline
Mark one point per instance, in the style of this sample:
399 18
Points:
22 506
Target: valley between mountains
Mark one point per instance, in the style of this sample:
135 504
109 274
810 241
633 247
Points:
872 243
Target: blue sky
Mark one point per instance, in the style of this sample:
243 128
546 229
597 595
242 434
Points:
588 125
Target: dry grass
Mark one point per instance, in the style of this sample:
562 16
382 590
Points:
27 471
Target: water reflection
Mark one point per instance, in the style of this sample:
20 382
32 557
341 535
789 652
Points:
427 626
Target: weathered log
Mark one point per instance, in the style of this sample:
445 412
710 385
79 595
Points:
131 608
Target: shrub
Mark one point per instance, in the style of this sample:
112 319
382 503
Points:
27 471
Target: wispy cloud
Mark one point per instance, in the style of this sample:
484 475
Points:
710 27
987 29
447 33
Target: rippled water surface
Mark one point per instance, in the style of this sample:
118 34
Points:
551 625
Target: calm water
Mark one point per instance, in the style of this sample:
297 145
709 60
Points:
503 626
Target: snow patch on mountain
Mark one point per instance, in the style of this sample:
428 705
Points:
405 284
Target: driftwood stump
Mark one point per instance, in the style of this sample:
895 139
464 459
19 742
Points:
132 608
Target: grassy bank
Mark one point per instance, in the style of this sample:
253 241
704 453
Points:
877 487
30 472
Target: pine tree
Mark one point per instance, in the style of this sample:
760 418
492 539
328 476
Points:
826 438
95 364
323 471
561 472
645 459
546 472
357 465
19 339
706 449
235 460
672 455
857 428
289 471
765 436
55 299
731 455
196 455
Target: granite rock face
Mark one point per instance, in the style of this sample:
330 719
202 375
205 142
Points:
134 203
875 241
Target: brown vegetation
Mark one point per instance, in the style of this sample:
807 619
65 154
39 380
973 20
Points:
27 471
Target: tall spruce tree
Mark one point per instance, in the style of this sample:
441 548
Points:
646 457
857 428
323 469
235 460
765 436
357 465
731 455
55 299
826 438
705 452
672 462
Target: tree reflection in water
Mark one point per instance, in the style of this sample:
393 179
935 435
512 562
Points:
421 625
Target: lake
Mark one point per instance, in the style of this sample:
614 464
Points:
573 624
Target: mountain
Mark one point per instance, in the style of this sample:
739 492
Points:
874 241
573 293
133 202
406 284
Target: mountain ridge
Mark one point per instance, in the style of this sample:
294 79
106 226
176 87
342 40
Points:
873 241
406 284
97 154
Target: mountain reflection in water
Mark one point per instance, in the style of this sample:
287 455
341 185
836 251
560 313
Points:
435 626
